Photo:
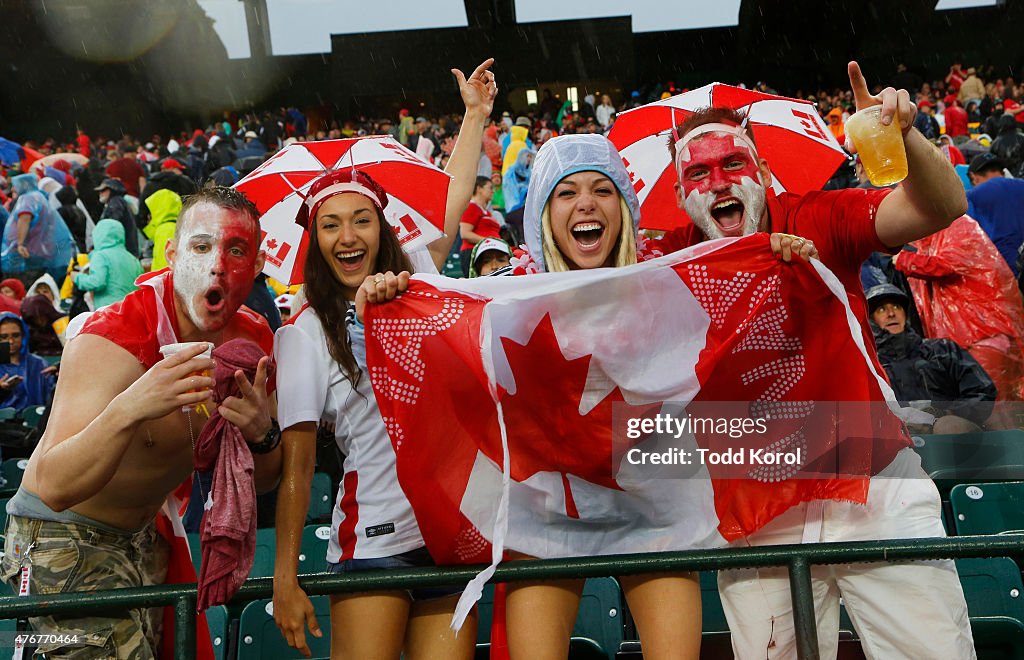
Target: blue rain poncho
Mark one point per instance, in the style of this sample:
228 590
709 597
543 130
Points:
49 241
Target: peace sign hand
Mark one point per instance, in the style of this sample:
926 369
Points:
250 412
895 103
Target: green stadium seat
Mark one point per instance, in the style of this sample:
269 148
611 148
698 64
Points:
711 604
263 564
51 359
991 508
971 457
12 470
998 637
600 617
992 587
217 622
313 552
32 415
321 500
7 413
259 638
195 550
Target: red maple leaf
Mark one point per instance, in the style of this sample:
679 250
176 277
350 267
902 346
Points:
547 433
272 244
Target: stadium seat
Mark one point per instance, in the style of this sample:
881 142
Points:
260 639
600 618
971 457
992 587
998 637
32 415
12 470
991 508
263 564
711 604
195 550
313 552
7 413
217 622
321 502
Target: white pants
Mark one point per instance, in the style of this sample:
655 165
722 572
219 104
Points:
904 610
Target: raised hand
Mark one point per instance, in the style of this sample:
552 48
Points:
479 90
250 412
896 103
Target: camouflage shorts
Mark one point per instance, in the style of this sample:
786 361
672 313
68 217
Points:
67 557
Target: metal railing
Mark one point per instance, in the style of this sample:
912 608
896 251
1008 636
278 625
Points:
798 558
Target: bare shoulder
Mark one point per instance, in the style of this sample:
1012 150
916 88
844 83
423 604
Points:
93 371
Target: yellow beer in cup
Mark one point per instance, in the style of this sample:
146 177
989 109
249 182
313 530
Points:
880 147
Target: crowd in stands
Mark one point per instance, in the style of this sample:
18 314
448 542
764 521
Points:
946 309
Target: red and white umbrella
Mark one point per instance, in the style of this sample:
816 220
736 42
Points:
48 161
801 151
417 194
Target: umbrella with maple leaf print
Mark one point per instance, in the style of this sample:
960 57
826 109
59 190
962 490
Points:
417 194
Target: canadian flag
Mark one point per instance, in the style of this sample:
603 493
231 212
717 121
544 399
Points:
508 402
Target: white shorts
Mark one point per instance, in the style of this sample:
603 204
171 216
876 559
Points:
900 610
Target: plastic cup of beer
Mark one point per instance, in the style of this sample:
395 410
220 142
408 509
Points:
171 349
880 147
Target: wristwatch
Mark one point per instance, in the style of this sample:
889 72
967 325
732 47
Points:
270 442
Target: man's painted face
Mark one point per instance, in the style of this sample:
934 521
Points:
214 264
720 185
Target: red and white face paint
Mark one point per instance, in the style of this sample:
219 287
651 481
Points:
721 184
214 264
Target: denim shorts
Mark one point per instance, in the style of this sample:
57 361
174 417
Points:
418 558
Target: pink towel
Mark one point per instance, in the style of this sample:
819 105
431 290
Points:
228 535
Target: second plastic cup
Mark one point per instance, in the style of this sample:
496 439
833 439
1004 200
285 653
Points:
880 147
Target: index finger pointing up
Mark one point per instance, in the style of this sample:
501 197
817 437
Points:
861 96
486 64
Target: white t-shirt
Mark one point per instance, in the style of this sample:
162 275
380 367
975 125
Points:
372 517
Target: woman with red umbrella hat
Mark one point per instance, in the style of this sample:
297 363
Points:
322 375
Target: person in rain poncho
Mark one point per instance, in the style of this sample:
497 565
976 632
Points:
516 139
26 380
516 181
965 292
112 269
164 207
36 240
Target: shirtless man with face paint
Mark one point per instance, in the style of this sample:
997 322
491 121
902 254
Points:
121 435
898 609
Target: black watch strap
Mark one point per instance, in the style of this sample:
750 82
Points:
270 442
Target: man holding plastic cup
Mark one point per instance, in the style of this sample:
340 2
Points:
124 424
724 186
